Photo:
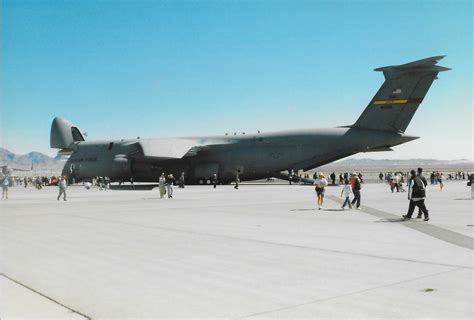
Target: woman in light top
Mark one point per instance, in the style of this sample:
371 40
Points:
320 184
440 181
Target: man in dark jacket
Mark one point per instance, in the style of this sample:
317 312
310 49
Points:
420 175
214 180
333 178
416 195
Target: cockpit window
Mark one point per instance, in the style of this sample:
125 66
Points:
76 134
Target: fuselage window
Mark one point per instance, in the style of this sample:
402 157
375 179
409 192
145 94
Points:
111 145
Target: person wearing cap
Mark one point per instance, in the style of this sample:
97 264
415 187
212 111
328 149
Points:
320 184
356 186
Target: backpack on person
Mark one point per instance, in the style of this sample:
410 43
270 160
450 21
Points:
357 185
419 190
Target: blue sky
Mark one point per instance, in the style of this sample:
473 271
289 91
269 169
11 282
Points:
121 69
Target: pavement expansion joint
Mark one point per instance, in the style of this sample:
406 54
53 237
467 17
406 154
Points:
423 227
45 296
221 236
350 294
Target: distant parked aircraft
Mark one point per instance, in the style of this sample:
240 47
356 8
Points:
8 171
254 156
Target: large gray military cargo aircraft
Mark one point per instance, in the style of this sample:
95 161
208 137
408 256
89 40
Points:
381 126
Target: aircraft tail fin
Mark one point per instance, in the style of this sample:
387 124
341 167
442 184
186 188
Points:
395 103
64 134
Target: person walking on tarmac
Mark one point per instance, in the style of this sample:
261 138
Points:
420 175
440 181
356 186
214 180
320 184
161 185
169 185
470 183
62 184
5 186
333 178
346 191
237 180
181 180
416 195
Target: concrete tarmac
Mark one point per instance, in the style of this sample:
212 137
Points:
263 251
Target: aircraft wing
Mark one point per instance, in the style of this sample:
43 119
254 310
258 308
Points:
174 148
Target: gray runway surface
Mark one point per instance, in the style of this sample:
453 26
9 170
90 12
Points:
263 251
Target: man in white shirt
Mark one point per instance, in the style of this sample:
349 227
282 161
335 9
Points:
5 186
62 184
346 191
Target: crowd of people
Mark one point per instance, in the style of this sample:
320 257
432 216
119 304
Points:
395 180
35 181
101 182
351 184
415 182
436 177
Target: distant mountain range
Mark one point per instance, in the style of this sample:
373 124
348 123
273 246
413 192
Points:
37 160
461 164
43 162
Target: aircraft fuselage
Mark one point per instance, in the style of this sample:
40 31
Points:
252 156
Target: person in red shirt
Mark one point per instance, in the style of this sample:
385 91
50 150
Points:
356 186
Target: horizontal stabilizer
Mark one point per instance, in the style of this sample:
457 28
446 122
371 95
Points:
427 64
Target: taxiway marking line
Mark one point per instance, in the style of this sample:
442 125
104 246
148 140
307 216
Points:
425 227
